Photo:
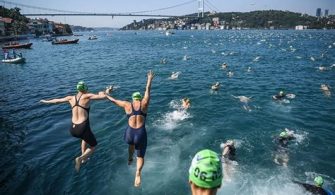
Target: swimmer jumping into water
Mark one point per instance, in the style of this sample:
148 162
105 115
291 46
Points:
135 134
80 118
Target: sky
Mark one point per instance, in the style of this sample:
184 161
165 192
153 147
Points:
127 6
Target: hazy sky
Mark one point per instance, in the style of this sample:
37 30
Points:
126 6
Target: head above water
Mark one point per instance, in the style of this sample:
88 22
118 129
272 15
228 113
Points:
81 86
206 170
281 93
137 96
318 181
230 142
283 134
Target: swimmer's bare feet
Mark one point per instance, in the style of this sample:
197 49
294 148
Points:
78 163
137 179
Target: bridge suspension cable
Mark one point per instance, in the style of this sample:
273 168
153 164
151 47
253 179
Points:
80 13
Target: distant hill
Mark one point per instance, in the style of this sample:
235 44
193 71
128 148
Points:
80 28
273 19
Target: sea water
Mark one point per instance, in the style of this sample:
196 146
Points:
37 150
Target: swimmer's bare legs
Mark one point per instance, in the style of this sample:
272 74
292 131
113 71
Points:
83 146
88 152
139 166
131 150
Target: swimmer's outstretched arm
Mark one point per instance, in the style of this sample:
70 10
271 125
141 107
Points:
225 150
57 100
146 97
119 103
101 95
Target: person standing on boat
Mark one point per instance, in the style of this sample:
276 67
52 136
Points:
135 134
80 118
6 54
14 53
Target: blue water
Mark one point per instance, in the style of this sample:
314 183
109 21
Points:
37 151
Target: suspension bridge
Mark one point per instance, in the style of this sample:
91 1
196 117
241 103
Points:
42 11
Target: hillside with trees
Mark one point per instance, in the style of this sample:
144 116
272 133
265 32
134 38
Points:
269 19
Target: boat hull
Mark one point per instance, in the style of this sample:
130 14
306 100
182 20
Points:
65 42
18 46
18 60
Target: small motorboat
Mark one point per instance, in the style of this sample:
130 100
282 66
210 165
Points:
17 45
64 41
17 60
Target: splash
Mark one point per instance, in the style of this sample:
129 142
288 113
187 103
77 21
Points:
171 120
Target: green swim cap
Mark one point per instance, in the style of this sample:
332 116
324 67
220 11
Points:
81 86
137 96
206 169
283 134
318 181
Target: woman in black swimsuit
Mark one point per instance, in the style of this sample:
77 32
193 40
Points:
80 118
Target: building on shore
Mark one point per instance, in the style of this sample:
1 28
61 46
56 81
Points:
318 12
5 24
300 27
41 26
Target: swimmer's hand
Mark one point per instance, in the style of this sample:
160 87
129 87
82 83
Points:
151 74
43 101
109 89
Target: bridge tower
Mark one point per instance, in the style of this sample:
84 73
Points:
201 7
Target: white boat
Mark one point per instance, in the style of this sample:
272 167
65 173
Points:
16 60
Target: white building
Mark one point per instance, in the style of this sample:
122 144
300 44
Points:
300 27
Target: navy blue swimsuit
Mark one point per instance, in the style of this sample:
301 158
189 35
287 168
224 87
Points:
137 137
83 130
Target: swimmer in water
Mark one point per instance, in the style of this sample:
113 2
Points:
326 90
228 157
281 95
281 156
224 66
216 86
80 128
325 87
135 133
186 103
249 69
205 173
174 75
245 100
230 74
315 189
322 68
163 61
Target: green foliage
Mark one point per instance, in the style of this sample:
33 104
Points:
67 29
253 20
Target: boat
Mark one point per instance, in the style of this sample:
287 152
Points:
16 60
17 45
64 41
